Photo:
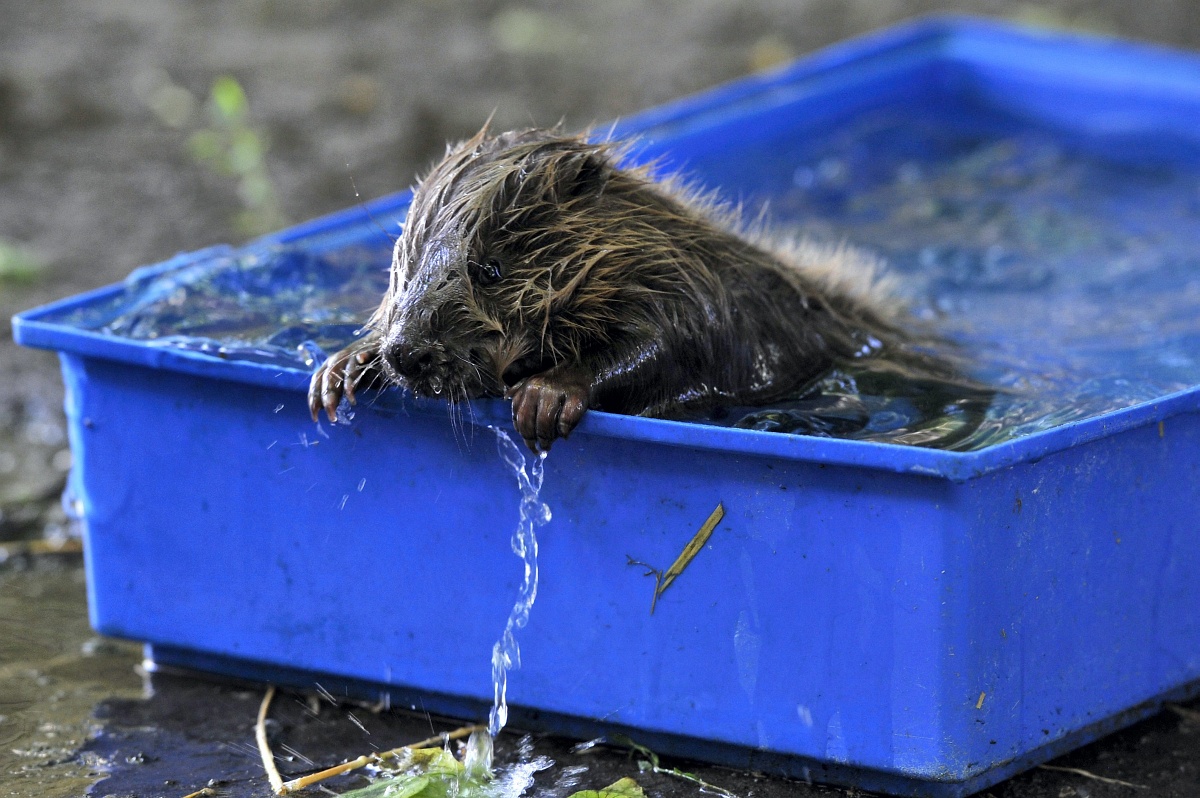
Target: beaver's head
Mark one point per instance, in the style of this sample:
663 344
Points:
500 271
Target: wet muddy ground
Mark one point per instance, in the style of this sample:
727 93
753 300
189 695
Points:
103 117
78 708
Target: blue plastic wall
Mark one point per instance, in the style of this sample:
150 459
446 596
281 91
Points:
913 621
854 618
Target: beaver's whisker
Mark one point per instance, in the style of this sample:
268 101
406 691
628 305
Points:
452 415
475 367
470 413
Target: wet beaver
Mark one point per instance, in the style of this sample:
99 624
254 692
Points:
533 265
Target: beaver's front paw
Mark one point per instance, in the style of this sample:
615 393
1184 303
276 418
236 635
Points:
549 405
344 372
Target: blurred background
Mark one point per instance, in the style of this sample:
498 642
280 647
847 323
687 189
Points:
133 129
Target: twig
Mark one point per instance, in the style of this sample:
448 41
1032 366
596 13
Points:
15 548
663 579
692 548
206 792
1184 712
366 759
649 761
650 571
264 748
1087 774
694 779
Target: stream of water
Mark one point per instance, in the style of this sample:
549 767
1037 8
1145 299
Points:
506 654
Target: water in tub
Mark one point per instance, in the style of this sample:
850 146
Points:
1065 269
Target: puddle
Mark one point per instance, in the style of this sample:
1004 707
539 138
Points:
53 670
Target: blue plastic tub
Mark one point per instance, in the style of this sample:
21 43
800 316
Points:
907 620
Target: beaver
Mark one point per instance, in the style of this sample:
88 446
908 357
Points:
536 265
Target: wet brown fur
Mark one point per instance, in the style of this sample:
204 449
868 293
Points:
617 291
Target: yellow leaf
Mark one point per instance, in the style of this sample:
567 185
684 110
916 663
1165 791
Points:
623 788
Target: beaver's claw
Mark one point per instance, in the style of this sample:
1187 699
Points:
548 406
344 372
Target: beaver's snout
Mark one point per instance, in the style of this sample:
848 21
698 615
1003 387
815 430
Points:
436 368
420 368
409 362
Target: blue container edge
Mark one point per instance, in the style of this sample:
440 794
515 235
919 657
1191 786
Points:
944 34
30 330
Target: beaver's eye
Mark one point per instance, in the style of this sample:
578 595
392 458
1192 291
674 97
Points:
489 271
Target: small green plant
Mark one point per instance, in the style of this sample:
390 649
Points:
622 788
648 762
435 773
19 264
424 773
231 146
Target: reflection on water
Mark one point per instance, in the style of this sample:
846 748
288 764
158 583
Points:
858 403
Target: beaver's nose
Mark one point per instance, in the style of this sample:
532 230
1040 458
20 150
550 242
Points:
409 362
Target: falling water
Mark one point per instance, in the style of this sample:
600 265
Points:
506 654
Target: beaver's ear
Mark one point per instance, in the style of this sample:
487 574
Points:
579 174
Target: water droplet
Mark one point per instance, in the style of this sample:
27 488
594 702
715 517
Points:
477 761
311 354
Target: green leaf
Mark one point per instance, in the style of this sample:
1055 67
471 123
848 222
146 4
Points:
229 99
645 753
205 146
246 151
18 264
408 785
623 788
436 761
256 191
428 773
